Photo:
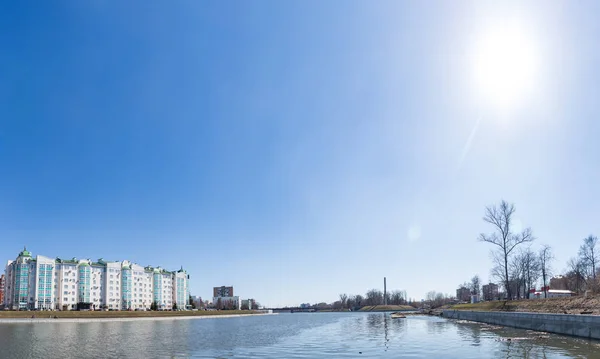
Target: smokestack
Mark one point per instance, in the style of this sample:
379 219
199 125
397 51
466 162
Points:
384 292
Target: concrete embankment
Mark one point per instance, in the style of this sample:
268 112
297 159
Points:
585 326
123 319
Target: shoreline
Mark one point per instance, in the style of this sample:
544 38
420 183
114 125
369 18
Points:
122 319
576 325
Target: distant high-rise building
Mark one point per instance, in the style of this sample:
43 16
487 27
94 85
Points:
463 294
223 291
490 291
223 298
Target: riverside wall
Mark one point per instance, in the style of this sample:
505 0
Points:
585 326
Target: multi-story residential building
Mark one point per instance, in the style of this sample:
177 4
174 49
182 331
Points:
223 298
463 294
222 291
181 291
490 291
2 290
65 284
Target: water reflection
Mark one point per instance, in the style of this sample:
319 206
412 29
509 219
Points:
437 326
517 343
321 335
470 332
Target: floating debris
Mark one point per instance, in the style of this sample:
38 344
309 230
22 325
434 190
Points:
513 339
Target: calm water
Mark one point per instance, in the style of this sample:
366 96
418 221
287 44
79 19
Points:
299 335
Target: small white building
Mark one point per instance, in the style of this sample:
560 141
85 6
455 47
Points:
552 293
558 293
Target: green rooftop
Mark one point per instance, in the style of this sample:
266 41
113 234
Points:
102 263
25 253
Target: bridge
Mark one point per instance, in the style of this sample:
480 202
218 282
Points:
294 310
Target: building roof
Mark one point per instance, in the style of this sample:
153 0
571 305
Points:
25 253
69 261
100 263
560 291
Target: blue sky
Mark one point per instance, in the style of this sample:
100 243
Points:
294 150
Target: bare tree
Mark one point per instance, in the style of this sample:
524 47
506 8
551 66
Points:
525 272
359 301
430 296
374 297
344 300
575 276
545 256
398 297
440 299
503 237
589 255
475 285
351 301
497 271
531 268
517 275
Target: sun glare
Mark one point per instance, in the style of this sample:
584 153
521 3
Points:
505 66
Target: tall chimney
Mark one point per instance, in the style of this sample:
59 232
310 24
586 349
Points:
384 292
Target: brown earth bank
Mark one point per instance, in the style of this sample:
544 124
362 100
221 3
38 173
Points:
573 305
118 314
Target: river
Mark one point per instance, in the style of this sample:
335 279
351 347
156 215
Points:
298 335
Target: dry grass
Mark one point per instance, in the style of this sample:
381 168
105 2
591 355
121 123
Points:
573 305
116 314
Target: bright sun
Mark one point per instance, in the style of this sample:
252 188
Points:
505 66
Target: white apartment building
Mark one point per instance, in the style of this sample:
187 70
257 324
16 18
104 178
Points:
181 292
66 284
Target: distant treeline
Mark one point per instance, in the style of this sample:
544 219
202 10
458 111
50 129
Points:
372 297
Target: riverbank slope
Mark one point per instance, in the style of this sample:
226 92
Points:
571 305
